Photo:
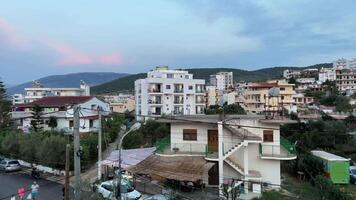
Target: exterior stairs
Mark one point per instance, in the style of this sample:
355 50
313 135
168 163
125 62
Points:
234 165
232 150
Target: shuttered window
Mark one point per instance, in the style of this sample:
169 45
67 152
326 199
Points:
267 135
190 134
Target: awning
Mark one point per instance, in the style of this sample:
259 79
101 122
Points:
129 157
181 168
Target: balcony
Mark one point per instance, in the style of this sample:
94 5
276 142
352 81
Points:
178 90
164 147
178 100
154 90
155 101
200 101
284 151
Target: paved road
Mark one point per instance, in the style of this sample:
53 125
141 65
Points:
9 183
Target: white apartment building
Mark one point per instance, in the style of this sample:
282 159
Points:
60 107
38 91
326 74
169 92
243 147
222 80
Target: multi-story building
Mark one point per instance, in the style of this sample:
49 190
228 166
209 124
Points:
120 103
326 74
222 80
247 148
170 92
38 91
291 73
341 63
301 100
260 98
60 107
346 79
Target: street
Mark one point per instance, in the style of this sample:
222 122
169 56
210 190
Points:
9 183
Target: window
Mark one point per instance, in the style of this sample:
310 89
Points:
190 134
71 123
93 106
168 87
169 75
91 123
282 97
190 87
267 135
282 89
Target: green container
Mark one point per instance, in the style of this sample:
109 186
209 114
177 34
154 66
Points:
336 167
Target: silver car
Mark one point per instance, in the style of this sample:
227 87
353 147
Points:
10 165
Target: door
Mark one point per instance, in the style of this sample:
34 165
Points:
213 141
214 175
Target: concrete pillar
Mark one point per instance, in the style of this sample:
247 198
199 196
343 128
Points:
221 158
246 167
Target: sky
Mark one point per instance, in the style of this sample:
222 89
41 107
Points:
48 37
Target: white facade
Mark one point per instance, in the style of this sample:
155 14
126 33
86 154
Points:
222 80
326 74
245 147
88 117
290 73
170 92
37 91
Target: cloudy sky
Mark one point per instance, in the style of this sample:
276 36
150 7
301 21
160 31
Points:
46 37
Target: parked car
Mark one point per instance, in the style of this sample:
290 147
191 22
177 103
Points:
10 165
106 189
352 174
157 197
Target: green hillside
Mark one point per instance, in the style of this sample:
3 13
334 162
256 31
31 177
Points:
126 84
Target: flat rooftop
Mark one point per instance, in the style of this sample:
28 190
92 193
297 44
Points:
328 156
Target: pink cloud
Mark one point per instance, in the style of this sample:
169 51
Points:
110 59
69 55
10 35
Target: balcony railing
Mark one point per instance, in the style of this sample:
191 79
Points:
155 101
162 144
284 151
178 112
178 101
154 90
178 90
199 91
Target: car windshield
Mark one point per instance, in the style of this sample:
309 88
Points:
13 163
353 171
3 163
108 187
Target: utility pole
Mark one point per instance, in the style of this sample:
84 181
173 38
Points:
77 152
99 144
66 184
118 195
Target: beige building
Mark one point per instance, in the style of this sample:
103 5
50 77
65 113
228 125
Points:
346 79
268 96
120 103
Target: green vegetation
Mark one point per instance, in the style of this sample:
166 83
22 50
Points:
330 136
52 122
147 135
226 109
37 121
127 83
5 108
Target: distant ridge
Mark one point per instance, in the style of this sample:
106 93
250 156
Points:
126 84
70 80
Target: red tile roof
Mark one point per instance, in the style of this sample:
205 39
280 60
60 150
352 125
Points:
59 101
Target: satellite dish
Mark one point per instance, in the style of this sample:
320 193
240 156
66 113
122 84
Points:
274 92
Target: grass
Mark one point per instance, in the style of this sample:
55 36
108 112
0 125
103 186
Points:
350 188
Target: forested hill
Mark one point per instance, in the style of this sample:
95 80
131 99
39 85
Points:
126 84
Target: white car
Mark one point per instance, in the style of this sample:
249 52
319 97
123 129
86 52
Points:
157 197
106 189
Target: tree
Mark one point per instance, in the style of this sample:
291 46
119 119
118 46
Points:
52 151
52 122
5 108
342 104
36 122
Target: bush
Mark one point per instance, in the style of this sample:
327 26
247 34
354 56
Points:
327 190
52 152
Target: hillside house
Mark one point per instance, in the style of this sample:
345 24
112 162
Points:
60 107
247 148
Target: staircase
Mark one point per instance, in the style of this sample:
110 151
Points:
232 150
234 165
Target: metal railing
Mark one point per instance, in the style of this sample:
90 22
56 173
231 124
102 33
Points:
162 144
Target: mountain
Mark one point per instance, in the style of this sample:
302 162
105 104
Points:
126 84
70 80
